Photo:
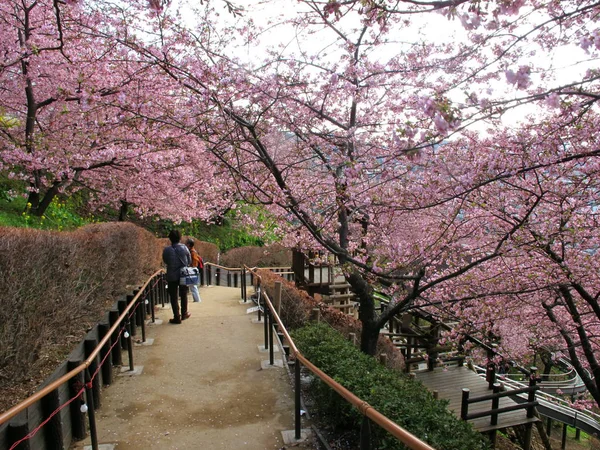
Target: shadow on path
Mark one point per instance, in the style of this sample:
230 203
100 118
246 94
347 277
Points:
201 387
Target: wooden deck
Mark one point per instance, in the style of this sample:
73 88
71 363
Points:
449 385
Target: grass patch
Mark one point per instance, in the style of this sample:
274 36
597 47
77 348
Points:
60 215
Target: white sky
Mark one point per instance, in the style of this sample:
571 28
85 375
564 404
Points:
437 28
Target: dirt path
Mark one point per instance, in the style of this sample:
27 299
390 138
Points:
202 386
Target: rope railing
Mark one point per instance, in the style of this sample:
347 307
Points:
121 326
404 436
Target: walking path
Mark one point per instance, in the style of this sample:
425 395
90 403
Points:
201 387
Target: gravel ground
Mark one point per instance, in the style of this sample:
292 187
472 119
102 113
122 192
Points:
202 386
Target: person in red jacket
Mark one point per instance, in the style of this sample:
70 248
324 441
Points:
196 262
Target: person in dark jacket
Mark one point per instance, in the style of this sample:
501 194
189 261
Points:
176 256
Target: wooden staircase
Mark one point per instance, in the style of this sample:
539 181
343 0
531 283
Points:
342 298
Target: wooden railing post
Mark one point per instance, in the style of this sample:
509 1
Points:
277 297
269 314
128 338
490 374
208 274
18 429
134 318
531 396
77 419
107 366
116 356
464 406
121 305
495 404
53 432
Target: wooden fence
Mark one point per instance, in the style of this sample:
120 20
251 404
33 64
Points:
55 415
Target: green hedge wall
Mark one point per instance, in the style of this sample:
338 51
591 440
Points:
402 399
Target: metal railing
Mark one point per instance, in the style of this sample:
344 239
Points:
218 275
116 337
270 317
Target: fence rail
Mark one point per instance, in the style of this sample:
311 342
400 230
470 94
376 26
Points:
271 316
79 387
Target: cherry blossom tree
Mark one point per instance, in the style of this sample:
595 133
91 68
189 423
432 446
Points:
80 112
393 152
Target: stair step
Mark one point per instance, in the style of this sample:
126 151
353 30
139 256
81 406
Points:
340 286
338 296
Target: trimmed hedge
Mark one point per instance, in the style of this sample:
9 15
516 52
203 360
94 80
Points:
270 256
403 400
54 286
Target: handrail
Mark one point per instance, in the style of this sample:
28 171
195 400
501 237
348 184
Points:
542 396
407 438
231 269
20 407
238 269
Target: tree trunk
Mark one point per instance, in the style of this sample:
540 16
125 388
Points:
368 338
39 207
366 313
546 359
123 210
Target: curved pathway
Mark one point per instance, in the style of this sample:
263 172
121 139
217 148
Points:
201 387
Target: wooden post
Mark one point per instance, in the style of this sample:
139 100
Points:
316 315
464 407
352 337
53 435
107 365
17 429
117 358
495 405
528 435
77 417
531 395
277 296
121 305
490 374
135 318
383 359
243 284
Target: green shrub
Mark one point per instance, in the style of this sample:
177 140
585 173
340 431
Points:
60 215
403 400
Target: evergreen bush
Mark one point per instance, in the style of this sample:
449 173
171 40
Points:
400 398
